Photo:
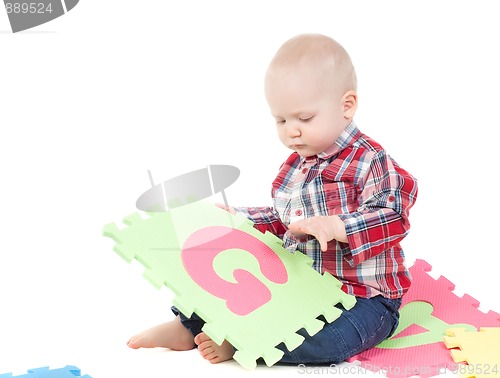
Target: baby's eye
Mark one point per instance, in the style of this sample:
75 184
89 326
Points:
306 119
280 121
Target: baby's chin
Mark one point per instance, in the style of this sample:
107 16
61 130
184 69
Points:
304 151
301 149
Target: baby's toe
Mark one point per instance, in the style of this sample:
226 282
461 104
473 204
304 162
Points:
136 342
201 337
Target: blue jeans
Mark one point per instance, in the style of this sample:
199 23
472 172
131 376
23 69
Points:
367 324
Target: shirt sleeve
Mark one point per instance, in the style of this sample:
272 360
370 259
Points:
265 219
381 220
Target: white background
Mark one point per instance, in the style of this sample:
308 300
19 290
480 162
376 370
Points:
90 101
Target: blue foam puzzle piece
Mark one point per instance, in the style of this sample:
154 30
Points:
44 372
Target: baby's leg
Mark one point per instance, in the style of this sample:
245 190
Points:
212 352
368 323
172 335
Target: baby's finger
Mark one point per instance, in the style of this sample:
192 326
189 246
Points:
297 229
323 244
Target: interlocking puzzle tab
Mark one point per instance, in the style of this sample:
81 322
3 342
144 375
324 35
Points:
481 351
44 372
249 290
428 310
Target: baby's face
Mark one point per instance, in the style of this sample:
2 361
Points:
309 114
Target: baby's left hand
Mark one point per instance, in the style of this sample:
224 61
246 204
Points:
323 228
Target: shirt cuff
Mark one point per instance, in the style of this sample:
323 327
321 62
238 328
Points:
351 221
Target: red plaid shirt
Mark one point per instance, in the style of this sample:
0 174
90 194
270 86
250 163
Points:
358 181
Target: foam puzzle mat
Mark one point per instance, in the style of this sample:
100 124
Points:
428 310
44 372
241 282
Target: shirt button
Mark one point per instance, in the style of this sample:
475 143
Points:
304 171
298 212
391 198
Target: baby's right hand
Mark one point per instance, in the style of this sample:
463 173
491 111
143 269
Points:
229 209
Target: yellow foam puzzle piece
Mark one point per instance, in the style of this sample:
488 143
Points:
481 351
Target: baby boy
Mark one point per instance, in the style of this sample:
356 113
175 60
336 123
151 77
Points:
339 198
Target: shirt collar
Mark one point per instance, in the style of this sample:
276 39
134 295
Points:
346 138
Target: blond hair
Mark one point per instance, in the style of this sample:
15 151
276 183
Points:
321 54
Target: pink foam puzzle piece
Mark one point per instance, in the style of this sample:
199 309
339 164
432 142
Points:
421 360
447 308
414 329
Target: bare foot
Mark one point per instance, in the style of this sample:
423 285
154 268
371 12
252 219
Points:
211 351
172 335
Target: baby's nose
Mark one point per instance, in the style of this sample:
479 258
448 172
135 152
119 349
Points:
293 130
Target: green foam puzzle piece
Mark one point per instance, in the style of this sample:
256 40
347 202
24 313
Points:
419 313
228 290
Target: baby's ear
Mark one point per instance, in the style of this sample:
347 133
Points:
349 104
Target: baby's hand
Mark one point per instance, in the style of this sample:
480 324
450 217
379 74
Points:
323 228
229 209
